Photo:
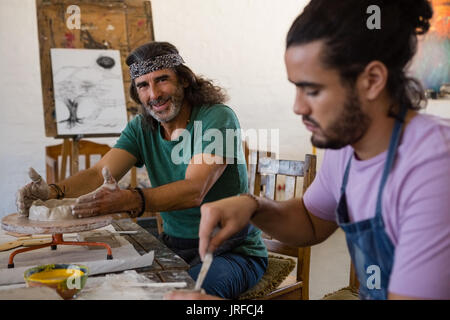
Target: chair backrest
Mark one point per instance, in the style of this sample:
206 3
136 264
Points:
263 174
63 152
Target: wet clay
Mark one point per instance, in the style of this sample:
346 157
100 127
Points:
52 210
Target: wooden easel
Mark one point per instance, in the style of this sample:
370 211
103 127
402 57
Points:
105 24
70 150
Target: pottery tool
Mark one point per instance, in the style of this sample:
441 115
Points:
66 235
45 236
124 232
206 264
31 240
203 271
25 243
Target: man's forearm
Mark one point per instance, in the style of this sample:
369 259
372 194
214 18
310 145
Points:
79 184
177 195
287 221
173 196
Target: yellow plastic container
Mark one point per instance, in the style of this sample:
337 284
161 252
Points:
66 279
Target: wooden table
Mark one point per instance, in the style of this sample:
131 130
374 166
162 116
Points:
167 266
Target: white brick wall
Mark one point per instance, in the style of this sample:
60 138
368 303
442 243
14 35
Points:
238 43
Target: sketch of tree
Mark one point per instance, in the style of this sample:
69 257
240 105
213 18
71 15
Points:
72 105
88 83
73 89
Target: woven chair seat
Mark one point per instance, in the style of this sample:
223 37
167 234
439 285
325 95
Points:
277 271
342 294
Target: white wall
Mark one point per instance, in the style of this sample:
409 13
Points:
22 122
238 43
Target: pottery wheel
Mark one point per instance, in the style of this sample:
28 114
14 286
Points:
20 224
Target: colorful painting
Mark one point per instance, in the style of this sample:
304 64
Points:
432 62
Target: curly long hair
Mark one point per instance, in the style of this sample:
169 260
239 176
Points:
350 45
199 92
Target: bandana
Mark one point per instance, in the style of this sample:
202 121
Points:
166 61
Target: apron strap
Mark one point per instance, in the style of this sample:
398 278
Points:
393 144
346 174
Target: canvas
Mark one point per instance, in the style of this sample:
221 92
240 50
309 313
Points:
88 91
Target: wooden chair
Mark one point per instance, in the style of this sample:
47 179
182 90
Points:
61 153
263 173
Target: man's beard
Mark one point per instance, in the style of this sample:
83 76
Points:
174 108
351 125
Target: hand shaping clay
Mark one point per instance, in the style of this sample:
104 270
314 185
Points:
52 210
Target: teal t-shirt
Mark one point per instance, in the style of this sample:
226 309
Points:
211 130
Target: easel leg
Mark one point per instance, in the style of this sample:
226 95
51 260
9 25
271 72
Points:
65 152
70 149
74 159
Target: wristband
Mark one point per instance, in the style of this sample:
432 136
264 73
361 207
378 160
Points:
59 193
252 196
141 194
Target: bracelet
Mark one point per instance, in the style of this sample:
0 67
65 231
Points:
139 190
59 193
252 196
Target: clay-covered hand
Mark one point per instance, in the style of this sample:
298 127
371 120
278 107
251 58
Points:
36 189
231 214
108 198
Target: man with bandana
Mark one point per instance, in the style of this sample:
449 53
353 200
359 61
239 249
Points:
181 116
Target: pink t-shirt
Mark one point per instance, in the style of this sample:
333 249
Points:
415 203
